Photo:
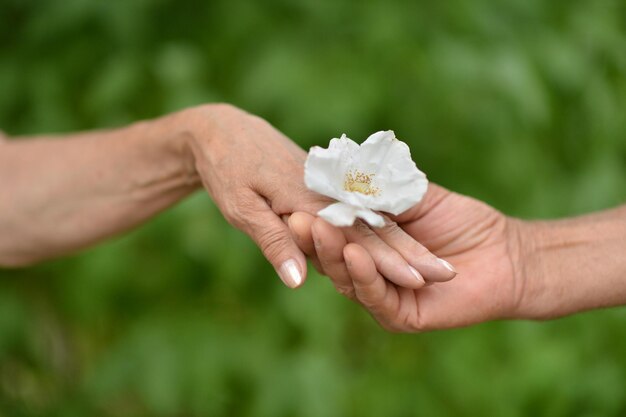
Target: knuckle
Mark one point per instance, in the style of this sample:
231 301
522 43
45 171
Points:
346 291
407 320
389 325
362 228
238 210
402 324
412 323
272 242
391 228
281 206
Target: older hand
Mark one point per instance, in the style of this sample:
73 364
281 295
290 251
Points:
255 175
481 243
66 192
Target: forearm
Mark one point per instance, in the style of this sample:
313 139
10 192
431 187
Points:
573 265
59 194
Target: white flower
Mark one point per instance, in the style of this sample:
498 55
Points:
378 175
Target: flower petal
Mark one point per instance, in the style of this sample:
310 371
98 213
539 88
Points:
339 214
401 183
343 215
372 218
386 164
344 144
325 169
382 149
408 194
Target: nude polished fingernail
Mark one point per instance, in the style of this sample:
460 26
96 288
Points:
289 273
447 265
416 274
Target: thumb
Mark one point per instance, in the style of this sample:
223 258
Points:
276 242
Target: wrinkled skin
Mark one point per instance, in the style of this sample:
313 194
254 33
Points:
255 175
479 241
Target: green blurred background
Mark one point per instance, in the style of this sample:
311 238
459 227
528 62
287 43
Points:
521 103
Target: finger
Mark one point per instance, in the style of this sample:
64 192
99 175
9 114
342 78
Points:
300 224
432 268
329 243
275 240
387 260
379 296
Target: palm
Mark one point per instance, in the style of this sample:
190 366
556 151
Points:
476 239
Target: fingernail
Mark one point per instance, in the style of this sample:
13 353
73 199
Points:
289 273
447 265
347 260
416 274
316 240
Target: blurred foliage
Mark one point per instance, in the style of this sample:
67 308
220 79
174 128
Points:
521 103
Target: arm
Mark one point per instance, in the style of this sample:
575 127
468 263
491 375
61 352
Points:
508 268
573 265
60 194
65 193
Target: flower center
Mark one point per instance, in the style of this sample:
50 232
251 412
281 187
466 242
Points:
359 182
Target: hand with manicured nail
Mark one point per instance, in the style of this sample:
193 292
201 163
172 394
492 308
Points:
93 185
479 241
82 188
255 174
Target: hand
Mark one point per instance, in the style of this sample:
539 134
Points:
255 175
478 240
94 185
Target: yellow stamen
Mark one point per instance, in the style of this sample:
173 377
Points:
359 182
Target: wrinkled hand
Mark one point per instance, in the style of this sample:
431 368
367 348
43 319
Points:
479 241
255 175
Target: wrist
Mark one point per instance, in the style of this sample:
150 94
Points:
172 137
571 265
528 269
